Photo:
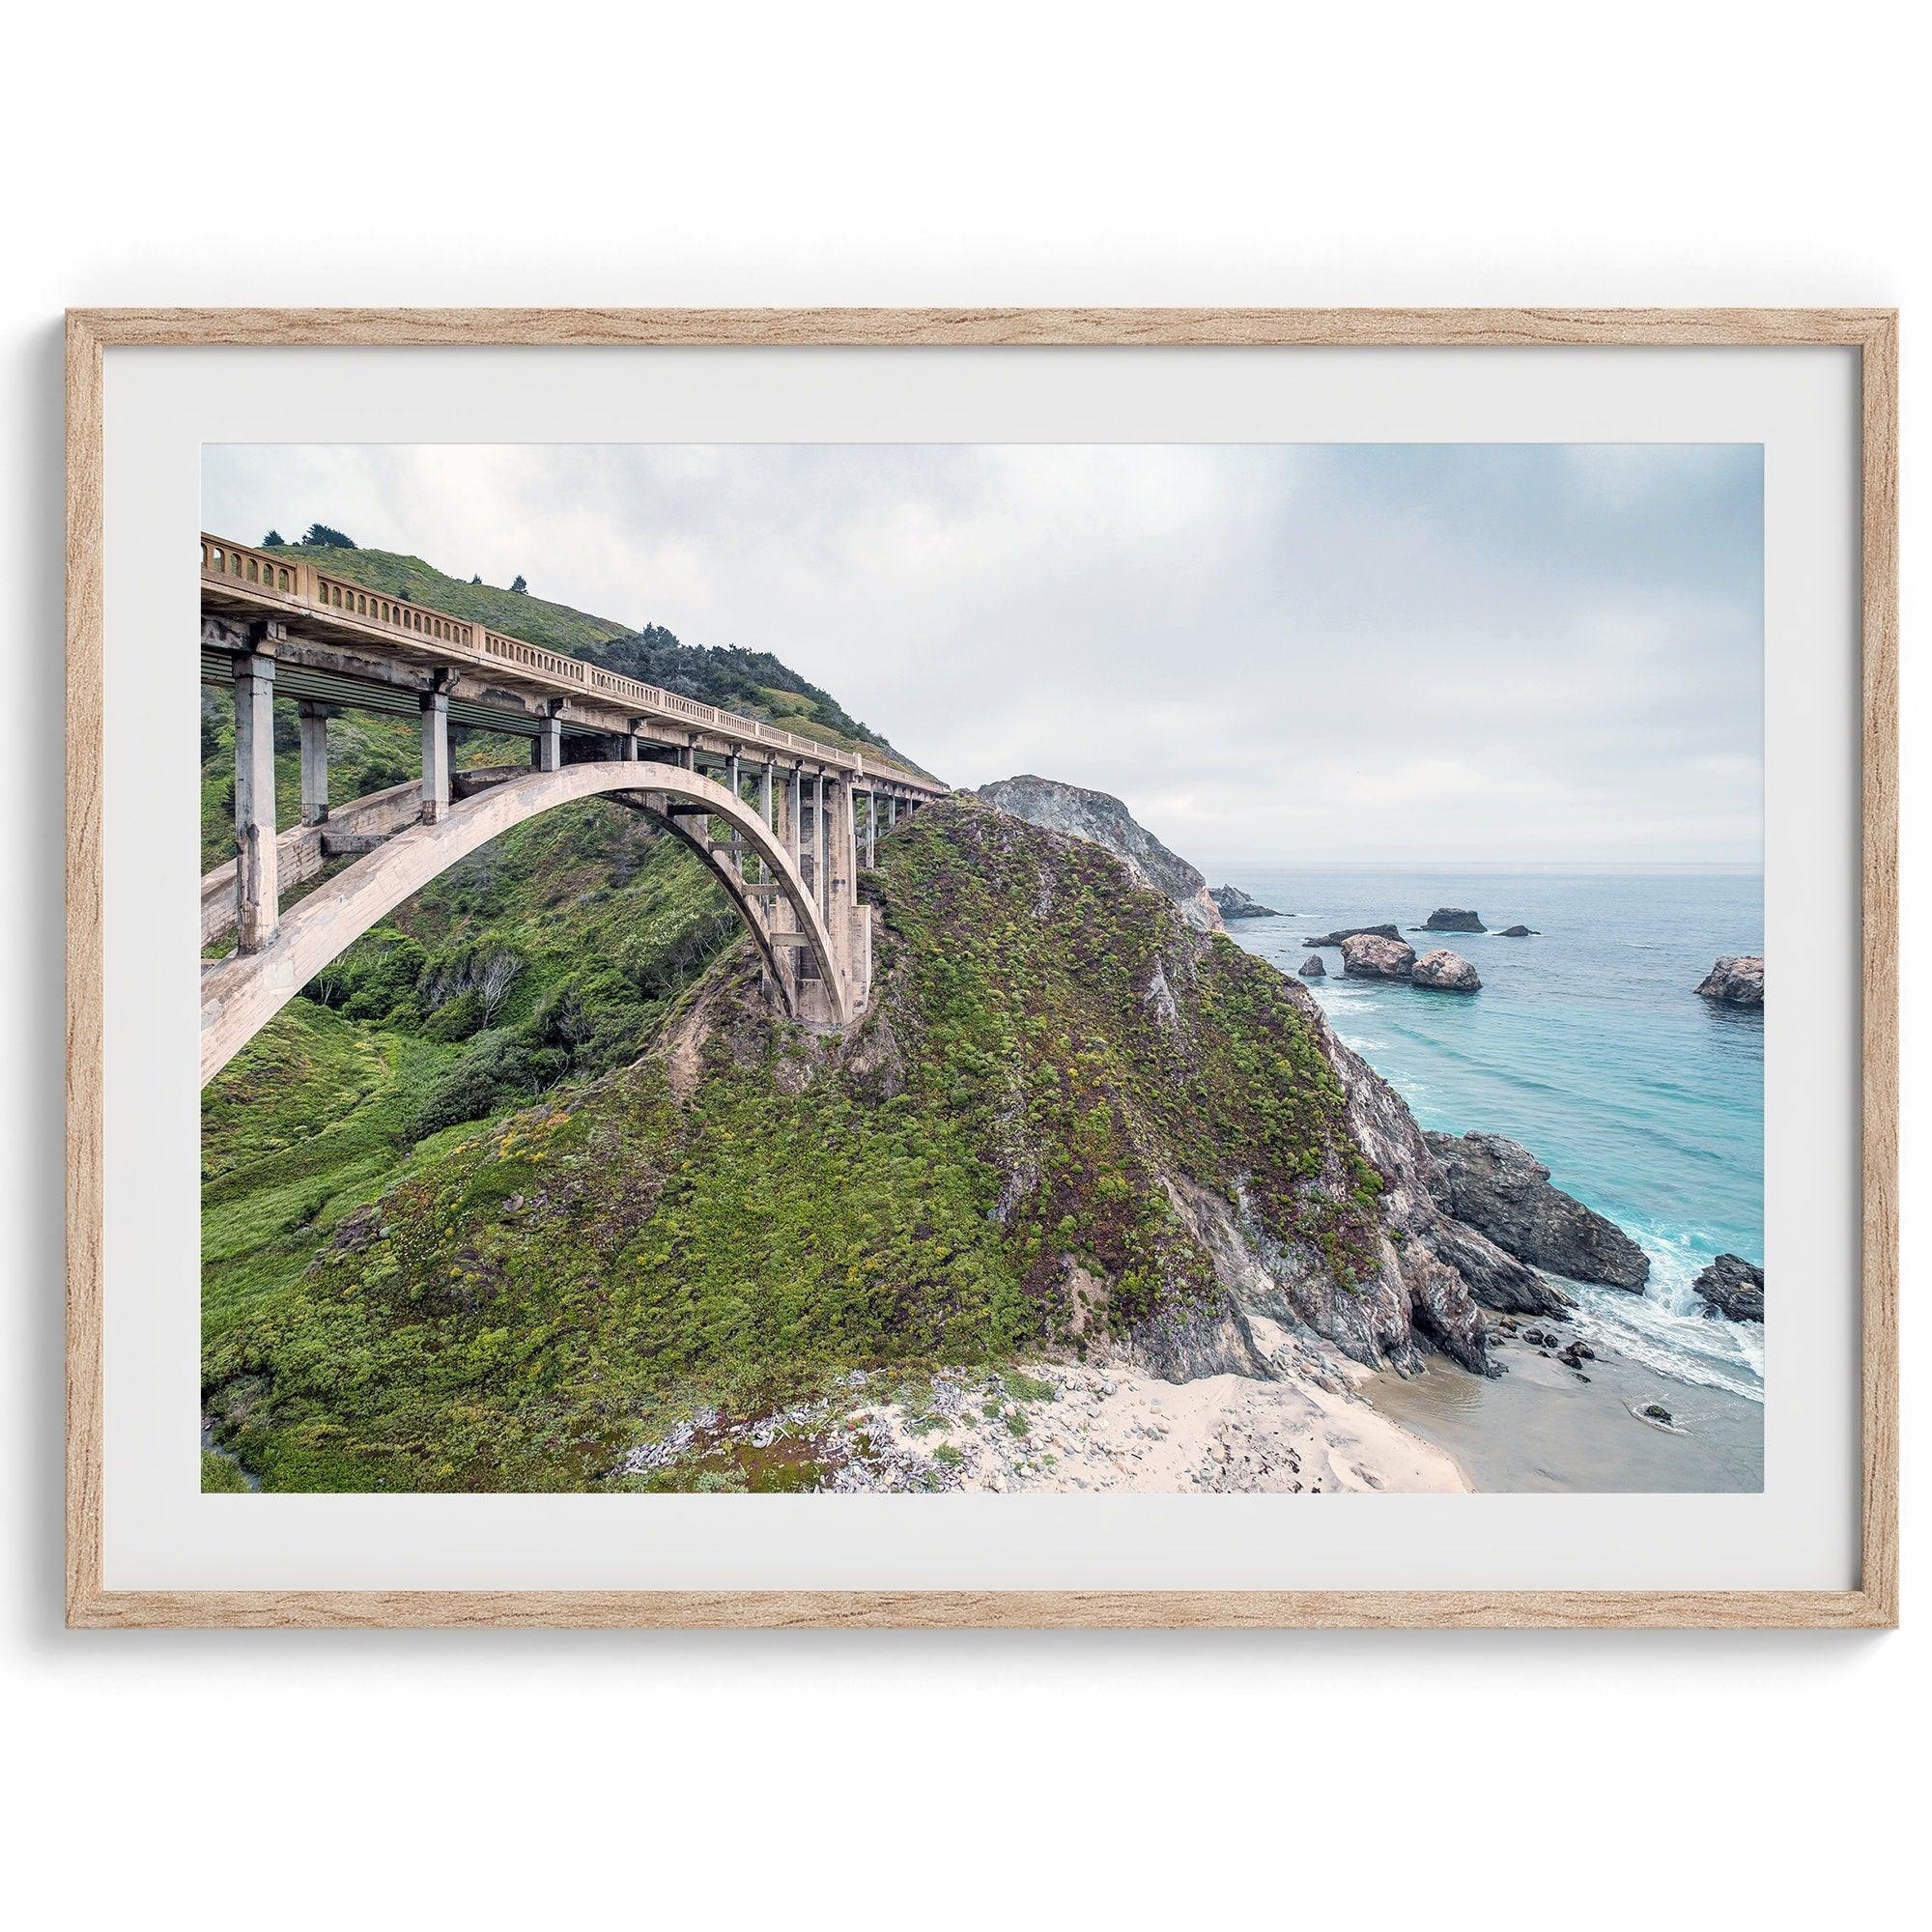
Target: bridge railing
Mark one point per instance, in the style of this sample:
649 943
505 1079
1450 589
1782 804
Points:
398 613
233 563
300 582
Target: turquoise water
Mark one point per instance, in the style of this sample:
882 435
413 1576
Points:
1587 1045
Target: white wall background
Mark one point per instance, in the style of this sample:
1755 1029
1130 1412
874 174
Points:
846 153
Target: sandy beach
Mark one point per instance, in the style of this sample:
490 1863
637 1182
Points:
1104 1429
1540 1426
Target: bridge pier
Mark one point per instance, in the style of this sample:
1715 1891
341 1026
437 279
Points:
841 845
313 762
435 757
257 897
871 828
547 747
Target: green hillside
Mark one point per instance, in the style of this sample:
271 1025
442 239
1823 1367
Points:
988 1165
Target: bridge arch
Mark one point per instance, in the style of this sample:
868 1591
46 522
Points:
242 993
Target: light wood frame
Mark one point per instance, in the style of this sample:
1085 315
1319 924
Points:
1873 334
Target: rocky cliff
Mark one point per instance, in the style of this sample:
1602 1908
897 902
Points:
1496 1185
1070 1123
1100 816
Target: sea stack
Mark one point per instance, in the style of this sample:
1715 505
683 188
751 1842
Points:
1312 967
1368 955
1345 932
1736 981
1516 932
1452 918
1732 1285
1446 972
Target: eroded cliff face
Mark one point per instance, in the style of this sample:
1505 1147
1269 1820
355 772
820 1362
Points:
1100 816
1302 1188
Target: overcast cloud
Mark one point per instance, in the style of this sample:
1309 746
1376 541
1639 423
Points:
1281 654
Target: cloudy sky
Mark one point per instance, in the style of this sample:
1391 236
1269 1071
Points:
1283 653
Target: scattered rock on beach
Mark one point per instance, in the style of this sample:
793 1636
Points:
1368 955
1503 1190
1447 972
1312 967
1734 1287
1736 981
1452 918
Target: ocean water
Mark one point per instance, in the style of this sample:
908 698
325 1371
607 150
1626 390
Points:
1588 1045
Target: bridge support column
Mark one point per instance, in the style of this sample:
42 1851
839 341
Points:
821 850
435 757
791 811
258 900
313 762
843 855
871 827
546 747
766 779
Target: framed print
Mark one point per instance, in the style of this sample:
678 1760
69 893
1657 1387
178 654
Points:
848 967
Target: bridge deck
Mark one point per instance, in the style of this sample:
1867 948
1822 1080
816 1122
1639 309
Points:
248 586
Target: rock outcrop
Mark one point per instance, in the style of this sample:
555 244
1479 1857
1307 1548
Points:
1442 1261
1103 818
1501 1189
1734 1287
1736 981
1446 972
1516 932
1343 932
1452 918
1312 967
1367 955
1234 903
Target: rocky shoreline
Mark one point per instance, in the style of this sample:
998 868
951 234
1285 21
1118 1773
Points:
1500 1188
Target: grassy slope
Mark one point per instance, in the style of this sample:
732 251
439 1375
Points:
534 1297
325 1107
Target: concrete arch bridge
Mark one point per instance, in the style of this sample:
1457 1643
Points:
782 821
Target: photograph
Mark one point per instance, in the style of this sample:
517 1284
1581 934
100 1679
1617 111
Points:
935 968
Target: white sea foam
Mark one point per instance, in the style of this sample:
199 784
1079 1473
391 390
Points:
1669 1328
